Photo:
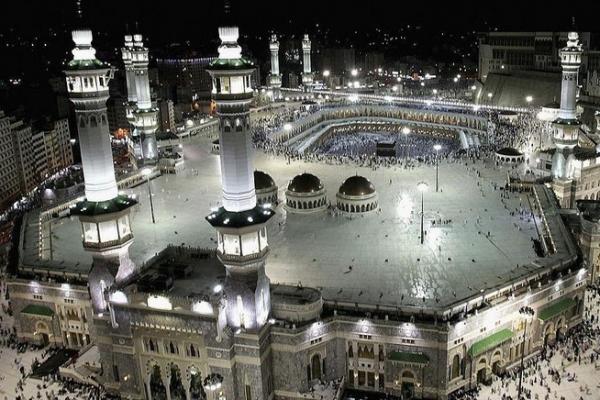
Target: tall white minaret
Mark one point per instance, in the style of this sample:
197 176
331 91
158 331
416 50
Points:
145 116
104 214
566 126
307 76
275 77
241 224
129 75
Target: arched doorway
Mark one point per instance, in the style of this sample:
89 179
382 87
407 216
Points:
497 362
455 368
315 366
157 387
560 329
407 384
196 388
42 333
482 370
176 385
549 335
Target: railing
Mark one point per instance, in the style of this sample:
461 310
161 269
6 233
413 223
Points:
110 243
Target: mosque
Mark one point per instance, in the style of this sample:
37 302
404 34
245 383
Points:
271 309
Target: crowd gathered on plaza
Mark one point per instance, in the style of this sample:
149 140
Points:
346 146
556 365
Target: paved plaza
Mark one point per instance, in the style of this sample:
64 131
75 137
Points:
375 259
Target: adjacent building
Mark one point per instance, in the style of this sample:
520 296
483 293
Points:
30 153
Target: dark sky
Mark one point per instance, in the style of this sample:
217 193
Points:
34 34
177 19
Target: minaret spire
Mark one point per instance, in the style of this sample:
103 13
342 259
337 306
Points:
104 214
275 76
307 76
566 126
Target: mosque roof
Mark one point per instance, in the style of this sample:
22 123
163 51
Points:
305 183
86 64
238 219
263 180
92 208
230 64
357 186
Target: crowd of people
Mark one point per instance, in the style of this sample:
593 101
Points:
521 131
555 365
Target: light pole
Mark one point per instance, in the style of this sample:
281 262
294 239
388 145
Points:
527 312
212 383
422 186
147 172
405 132
437 148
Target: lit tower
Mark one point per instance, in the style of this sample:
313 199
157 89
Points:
307 76
275 77
240 223
566 126
145 116
129 76
103 213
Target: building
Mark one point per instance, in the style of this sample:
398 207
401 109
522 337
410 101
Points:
30 153
10 189
338 60
59 151
509 51
196 320
184 79
166 115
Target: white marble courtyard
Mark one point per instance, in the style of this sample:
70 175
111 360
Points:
389 265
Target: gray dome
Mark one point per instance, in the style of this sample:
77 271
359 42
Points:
305 183
263 180
357 186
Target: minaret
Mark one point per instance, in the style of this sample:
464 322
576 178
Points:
566 126
129 76
241 232
145 117
104 214
275 77
307 76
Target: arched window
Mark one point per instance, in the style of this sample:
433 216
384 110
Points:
455 366
192 350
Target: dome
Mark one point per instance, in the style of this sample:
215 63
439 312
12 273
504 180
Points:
263 180
357 186
305 183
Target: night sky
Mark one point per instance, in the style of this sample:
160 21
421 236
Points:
35 39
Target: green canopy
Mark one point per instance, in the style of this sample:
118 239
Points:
406 357
490 342
35 309
555 309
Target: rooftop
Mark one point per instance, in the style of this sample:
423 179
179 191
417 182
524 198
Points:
376 259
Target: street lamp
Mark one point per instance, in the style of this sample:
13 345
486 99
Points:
422 186
528 313
326 73
212 383
147 172
437 148
529 99
354 72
